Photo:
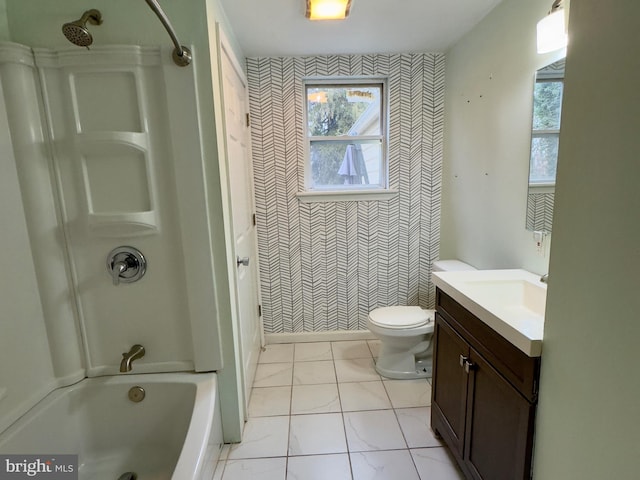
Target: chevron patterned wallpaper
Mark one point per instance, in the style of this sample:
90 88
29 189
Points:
540 211
324 266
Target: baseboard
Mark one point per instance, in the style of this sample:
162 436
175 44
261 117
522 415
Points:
332 336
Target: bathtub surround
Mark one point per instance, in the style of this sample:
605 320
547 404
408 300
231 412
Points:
26 319
324 266
22 321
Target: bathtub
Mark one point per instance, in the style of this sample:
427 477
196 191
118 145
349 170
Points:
173 433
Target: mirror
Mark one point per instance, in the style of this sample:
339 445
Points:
545 136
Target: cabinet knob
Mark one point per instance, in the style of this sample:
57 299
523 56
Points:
468 366
463 360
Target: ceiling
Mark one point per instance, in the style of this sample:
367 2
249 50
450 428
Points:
279 27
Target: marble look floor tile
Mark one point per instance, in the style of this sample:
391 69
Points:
374 346
373 430
317 434
263 437
308 373
311 352
356 370
277 353
319 467
363 396
436 463
256 469
273 375
321 398
385 465
408 393
415 425
350 349
270 401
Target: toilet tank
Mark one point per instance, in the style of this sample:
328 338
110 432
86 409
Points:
450 266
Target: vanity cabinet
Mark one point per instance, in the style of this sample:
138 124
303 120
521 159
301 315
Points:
484 395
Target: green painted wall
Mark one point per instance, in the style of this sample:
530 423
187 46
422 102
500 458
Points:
4 23
487 140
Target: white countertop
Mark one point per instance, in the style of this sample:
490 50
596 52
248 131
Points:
511 302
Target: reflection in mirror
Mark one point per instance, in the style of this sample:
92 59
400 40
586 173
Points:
545 135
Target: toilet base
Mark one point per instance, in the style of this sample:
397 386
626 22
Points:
404 370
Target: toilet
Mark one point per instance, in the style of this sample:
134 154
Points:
406 333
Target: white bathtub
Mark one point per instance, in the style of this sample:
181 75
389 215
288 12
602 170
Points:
174 433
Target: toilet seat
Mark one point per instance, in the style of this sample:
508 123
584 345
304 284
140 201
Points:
400 318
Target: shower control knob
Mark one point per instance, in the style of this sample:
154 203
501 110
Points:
126 265
242 261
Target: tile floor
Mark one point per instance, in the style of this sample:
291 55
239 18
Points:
319 411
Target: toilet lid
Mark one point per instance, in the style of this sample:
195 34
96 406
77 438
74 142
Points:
400 317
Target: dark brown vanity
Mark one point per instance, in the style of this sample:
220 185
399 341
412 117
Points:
485 393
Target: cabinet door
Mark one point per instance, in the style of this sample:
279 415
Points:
500 422
450 382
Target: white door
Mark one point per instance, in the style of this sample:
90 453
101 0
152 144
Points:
243 220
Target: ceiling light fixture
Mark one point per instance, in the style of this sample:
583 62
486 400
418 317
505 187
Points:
551 30
328 9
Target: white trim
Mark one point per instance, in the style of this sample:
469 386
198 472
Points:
305 337
225 45
109 57
542 188
345 195
373 139
16 53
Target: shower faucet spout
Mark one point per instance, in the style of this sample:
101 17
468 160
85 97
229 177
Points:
137 351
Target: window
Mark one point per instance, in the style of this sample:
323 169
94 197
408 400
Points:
547 104
345 136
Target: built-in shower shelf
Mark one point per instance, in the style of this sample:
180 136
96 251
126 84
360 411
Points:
132 139
123 224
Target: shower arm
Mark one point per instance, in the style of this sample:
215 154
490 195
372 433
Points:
181 54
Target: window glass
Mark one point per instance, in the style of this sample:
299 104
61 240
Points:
544 159
547 105
345 136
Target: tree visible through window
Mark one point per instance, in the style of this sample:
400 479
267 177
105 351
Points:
547 104
345 141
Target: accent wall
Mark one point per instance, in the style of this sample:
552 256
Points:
325 265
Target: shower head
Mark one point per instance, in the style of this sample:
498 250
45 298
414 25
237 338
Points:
77 33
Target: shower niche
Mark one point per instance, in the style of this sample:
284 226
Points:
108 151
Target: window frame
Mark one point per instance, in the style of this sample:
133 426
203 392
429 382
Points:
379 190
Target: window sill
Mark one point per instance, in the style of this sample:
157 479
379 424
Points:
542 188
346 196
